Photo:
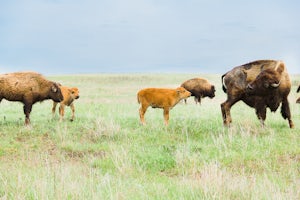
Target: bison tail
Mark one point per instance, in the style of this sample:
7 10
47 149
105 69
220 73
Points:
298 89
223 84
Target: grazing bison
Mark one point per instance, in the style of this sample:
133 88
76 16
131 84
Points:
260 84
298 100
160 98
199 88
28 88
69 94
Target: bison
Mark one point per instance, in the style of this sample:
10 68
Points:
298 90
69 94
28 88
199 88
160 98
260 84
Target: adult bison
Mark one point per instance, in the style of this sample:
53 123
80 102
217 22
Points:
260 84
298 90
199 88
28 88
160 98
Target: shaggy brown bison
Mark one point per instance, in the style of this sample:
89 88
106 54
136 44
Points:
160 98
260 84
199 88
28 88
69 94
298 100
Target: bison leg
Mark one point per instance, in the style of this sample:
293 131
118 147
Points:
225 107
197 99
142 112
166 115
285 111
27 109
261 113
73 111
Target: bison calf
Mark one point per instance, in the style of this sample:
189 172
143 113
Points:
28 88
199 88
69 94
160 98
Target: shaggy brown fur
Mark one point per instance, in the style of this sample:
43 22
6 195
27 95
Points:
69 94
160 98
260 84
28 88
199 88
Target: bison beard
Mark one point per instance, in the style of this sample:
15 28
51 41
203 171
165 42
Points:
259 84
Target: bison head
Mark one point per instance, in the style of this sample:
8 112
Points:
266 82
55 93
212 92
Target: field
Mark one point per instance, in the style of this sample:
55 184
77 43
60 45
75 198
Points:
106 154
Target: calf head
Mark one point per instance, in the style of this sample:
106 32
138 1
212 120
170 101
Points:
55 93
265 83
183 93
74 92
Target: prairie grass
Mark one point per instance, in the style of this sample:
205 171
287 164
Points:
106 154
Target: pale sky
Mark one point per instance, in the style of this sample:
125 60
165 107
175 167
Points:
125 36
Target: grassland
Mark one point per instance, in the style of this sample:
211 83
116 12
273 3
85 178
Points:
106 154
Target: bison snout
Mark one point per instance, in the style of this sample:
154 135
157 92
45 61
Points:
77 97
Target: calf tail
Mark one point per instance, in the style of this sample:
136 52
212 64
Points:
298 89
138 99
223 84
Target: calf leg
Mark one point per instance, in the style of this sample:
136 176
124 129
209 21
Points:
166 115
142 112
73 111
61 111
54 108
285 111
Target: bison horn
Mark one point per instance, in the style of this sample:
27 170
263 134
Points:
275 85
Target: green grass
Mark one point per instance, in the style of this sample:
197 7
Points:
106 154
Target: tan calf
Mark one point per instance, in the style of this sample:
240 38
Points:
160 98
69 94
